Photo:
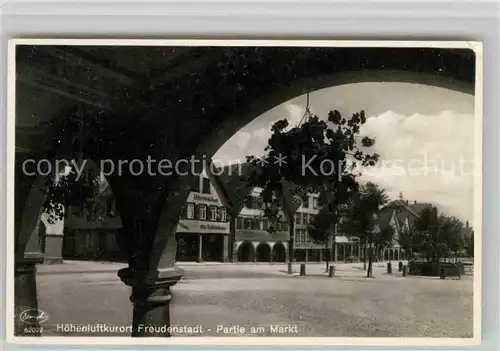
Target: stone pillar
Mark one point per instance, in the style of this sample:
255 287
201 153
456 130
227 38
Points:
306 254
225 249
321 255
27 317
235 252
200 248
53 248
151 299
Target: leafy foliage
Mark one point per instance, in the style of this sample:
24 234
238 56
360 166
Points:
318 157
362 221
435 236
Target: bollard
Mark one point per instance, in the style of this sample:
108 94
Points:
400 266
302 269
389 268
331 273
290 268
405 271
442 275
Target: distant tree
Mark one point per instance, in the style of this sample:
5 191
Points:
437 235
451 231
317 156
469 245
362 219
323 228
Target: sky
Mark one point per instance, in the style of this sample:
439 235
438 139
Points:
424 136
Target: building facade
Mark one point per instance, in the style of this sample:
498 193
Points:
253 239
345 248
203 229
92 230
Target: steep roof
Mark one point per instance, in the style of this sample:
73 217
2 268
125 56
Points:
384 218
420 206
231 180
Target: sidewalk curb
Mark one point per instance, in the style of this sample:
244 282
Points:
102 271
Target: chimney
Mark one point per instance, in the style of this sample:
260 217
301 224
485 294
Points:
401 195
407 202
415 202
466 224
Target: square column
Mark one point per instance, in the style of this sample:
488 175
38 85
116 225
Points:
225 249
53 248
200 248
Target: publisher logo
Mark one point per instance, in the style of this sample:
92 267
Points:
33 316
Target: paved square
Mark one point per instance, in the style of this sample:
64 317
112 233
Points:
231 299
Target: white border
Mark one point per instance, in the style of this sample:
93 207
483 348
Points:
248 341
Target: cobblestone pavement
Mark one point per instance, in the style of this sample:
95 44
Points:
230 299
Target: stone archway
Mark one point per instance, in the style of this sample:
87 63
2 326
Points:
263 252
386 255
279 252
246 252
211 109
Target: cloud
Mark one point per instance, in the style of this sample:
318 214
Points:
429 158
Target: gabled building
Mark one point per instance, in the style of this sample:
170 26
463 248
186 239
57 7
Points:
203 228
401 215
251 239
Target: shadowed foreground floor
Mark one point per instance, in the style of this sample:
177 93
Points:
229 300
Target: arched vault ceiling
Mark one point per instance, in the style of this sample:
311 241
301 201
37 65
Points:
208 91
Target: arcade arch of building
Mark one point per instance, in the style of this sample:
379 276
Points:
215 95
260 251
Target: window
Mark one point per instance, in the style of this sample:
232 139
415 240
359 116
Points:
247 223
297 236
297 218
302 235
190 211
306 218
308 238
196 187
223 214
265 224
248 202
315 203
239 223
110 207
305 201
285 226
256 224
213 213
206 186
202 212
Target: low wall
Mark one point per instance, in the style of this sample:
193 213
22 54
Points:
433 269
